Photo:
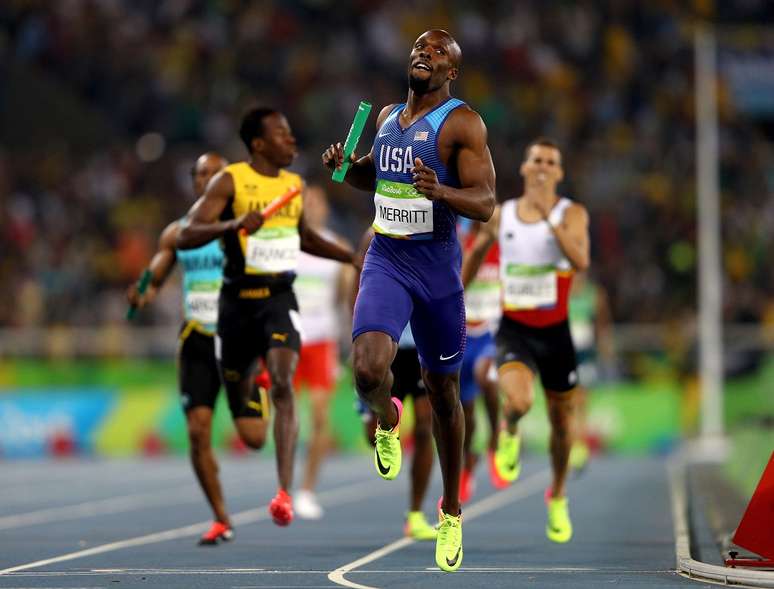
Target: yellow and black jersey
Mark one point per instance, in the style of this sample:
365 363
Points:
269 256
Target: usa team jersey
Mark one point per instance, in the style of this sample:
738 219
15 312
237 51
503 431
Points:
407 224
411 271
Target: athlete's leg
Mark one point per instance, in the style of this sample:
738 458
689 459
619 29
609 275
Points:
205 466
250 418
281 363
319 437
485 373
372 355
438 326
449 432
382 309
422 465
516 381
199 383
560 414
469 457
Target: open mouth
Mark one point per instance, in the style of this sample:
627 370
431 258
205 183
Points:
421 65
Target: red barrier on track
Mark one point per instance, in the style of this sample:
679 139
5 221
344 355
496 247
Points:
756 530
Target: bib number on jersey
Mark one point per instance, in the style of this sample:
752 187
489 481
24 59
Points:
482 302
272 250
530 287
202 306
401 211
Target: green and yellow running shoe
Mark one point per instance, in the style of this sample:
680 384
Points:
579 456
387 451
558 526
448 545
506 458
417 527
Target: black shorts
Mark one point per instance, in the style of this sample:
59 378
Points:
197 370
407 375
249 328
199 375
547 351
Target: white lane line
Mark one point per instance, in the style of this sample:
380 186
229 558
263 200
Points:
530 485
253 572
169 496
188 493
335 496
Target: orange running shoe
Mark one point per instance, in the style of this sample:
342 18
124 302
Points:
281 508
467 485
497 481
218 532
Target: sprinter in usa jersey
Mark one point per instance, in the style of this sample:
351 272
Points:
429 163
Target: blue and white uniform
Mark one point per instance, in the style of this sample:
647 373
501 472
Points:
202 277
412 268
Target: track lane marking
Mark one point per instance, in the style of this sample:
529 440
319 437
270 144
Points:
516 492
331 497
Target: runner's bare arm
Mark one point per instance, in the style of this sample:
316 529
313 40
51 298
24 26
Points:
315 243
485 239
572 234
201 224
475 198
362 172
161 266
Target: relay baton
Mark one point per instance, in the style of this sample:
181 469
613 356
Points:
276 205
142 286
355 131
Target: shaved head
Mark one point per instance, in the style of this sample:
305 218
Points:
206 166
455 53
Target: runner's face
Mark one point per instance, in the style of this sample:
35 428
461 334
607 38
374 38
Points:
543 167
206 167
278 142
431 63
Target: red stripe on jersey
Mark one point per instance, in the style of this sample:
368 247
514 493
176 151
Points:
551 316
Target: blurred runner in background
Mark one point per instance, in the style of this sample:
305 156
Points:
591 326
197 369
321 288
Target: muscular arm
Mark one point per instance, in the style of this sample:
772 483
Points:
475 198
160 266
315 243
572 234
485 239
201 225
362 171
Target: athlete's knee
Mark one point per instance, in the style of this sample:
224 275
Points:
253 434
369 375
281 388
199 435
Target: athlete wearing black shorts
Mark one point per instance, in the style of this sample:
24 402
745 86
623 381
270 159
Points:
543 240
547 351
258 313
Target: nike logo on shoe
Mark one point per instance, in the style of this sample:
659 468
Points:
453 561
382 469
449 357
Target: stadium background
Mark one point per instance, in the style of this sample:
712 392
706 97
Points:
105 103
